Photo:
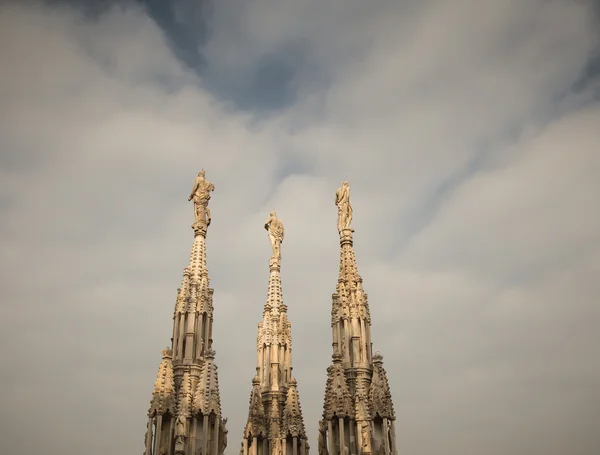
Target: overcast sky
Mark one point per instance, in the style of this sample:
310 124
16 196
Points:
469 131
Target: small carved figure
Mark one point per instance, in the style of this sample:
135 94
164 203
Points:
201 195
381 449
361 406
365 434
180 428
224 438
322 442
162 451
342 200
274 227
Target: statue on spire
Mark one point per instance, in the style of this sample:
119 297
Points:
274 227
342 200
201 195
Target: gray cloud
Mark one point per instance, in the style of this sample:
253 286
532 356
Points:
474 169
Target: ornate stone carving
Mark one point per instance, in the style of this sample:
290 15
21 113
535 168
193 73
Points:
338 399
293 423
379 391
256 418
342 200
163 398
274 227
201 195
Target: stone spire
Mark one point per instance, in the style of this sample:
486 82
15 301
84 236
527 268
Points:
358 414
275 424
185 413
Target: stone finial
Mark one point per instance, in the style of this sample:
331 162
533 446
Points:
342 200
201 195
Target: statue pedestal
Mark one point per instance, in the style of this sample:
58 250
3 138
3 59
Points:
179 448
199 228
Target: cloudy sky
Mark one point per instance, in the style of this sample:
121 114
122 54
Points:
469 131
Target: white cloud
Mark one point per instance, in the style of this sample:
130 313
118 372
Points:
474 192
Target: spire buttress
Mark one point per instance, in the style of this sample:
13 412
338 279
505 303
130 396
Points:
275 424
185 413
358 416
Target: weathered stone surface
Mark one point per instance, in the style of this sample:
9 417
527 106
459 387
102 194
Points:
185 411
357 395
275 415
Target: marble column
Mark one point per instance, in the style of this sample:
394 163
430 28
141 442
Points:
331 440
385 436
149 437
394 446
193 435
158 433
342 439
205 435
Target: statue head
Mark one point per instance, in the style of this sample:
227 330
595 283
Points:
273 214
202 173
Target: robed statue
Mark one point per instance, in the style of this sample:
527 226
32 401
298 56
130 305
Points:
180 431
274 227
342 200
365 433
201 195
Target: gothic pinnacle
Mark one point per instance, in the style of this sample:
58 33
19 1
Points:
275 419
186 393
357 397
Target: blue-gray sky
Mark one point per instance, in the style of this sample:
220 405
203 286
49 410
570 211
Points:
468 131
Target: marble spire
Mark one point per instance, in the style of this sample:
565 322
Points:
275 424
185 413
358 414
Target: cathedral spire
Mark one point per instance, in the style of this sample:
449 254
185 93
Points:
185 413
275 424
358 417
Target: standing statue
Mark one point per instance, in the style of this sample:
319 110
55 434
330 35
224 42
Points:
342 200
223 444
180 425
365 434
201 195
274 227
322 442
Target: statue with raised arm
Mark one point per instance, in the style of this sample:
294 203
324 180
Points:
342 200
274 227
201 195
